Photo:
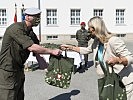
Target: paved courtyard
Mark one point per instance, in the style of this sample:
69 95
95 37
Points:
83 85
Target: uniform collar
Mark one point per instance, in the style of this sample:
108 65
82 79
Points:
27 29
82 30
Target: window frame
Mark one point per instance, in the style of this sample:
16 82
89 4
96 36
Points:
3 17
51 17
98 12
120 16
52 37
75 16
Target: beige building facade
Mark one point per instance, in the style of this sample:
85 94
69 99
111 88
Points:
60 19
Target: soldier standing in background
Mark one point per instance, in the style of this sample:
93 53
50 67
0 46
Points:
82 36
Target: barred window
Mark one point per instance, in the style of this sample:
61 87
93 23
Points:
75 16
52 37
3 17
51 16
121 35
73 36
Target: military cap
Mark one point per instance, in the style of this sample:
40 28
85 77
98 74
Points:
32 11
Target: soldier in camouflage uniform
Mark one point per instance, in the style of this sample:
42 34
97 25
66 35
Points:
83 36
18 41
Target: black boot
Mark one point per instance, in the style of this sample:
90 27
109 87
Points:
86 64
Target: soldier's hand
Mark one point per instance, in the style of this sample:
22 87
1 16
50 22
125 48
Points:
56 52
65 47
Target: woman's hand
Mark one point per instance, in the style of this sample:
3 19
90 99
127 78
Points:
66 47
113 60
70 47
117 60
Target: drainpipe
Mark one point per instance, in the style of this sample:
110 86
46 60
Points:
39 23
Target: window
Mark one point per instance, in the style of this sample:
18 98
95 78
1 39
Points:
98 12
52 37
120 16
51 16
73 36
3 17
75 16
121 35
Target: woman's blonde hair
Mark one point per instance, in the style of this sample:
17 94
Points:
101 31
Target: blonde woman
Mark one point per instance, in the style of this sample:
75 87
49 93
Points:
114 53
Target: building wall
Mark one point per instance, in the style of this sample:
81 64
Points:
62 39
10 8
64 29
87 7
